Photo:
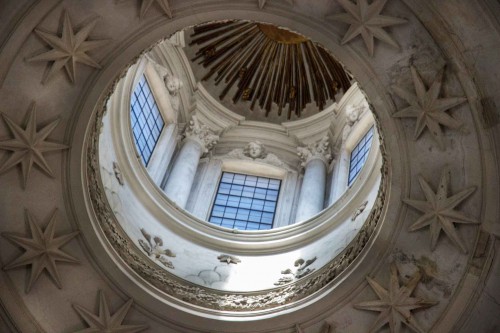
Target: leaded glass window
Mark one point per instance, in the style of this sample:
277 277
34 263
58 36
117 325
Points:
245 202
359 155
147 122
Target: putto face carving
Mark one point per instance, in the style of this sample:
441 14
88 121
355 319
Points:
255 149
172 83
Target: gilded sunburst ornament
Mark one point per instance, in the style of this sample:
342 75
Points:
68 49
105 322
395 303
439 210
365 20
41 250
163 4
262 3
29 145
428 108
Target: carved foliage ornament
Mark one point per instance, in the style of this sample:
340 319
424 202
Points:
317 150
69 49
201 133
395 303
439 210
104 321
154 249
41 250
29 145
428 108
365 19
301 271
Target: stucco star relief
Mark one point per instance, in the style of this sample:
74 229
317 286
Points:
262 3
395 303
428 108
41 250
439 210
29 145
163 4
69 49
365 20
105 322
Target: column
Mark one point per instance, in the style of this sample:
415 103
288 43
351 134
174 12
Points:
198 140
315 158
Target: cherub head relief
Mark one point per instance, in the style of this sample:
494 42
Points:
353 113
255 149
172 83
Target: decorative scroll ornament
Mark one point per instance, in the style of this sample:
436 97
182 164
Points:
439 210
201 133
428 108
105 322
155 250
41 250
69 49
163 4
365 20
229 259
317 150
262 3
29 145
395 303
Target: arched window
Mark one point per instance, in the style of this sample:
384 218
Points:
147 122
359 155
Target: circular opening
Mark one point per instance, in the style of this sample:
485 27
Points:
232 156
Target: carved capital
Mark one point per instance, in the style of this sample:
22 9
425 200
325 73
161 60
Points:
316 150
201 134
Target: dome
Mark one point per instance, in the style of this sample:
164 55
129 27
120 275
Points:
93 229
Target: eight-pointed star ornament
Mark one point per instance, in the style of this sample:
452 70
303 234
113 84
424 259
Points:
68 49
428 108
163 4
365 20
105 322
439 210
29 145
395 303
41 250
262 3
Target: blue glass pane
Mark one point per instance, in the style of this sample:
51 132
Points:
146 120
359 155
245 202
